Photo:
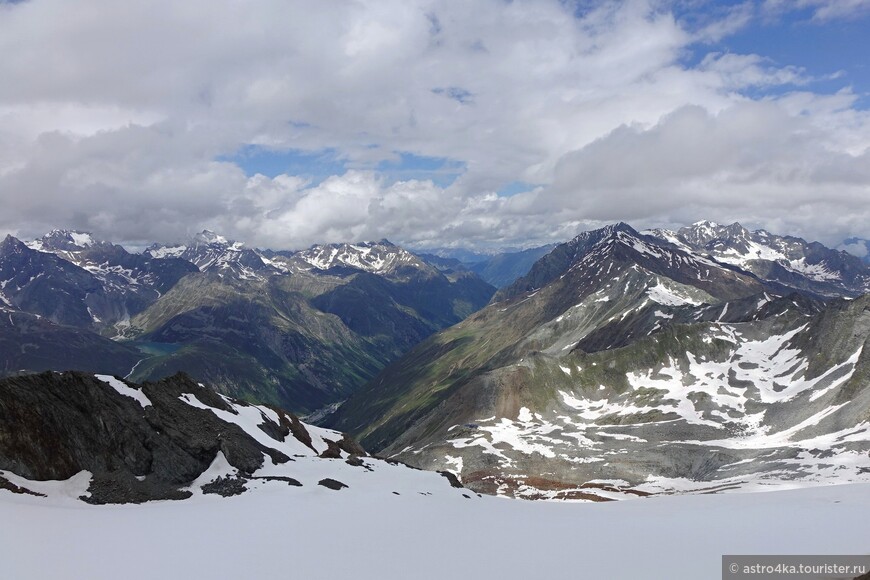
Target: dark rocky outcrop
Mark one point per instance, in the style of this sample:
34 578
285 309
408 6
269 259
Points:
54 425
226 486
346 445
331 483
451 477
288 480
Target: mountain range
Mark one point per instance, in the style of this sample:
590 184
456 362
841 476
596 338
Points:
619 363
788 260
297 329
629 363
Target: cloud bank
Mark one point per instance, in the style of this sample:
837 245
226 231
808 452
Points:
127 120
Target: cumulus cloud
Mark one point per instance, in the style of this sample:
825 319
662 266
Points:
124 120
752 162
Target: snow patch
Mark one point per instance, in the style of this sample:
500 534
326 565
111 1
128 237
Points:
670 296
125 390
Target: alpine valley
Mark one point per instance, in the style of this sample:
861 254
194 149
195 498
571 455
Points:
297 329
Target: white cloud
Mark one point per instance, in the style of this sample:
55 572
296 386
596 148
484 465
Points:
740 71
113 116
822 10
730 20
753 162
859 248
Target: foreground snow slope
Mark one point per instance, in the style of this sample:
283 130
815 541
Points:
312 532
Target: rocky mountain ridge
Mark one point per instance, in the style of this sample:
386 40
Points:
209 251
624 363
381 257
799 264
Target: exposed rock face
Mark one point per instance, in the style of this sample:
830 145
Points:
138 442
607 288
209 251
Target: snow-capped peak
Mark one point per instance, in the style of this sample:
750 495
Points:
210 237
63 240
208 250
376 257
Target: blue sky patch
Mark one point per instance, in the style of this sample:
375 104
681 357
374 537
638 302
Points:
313 165
833 53
319 165
515 187
439 170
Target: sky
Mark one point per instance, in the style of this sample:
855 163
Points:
432 123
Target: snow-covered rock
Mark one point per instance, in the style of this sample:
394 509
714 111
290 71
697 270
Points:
784 259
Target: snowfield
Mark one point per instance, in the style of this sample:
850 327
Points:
311 532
